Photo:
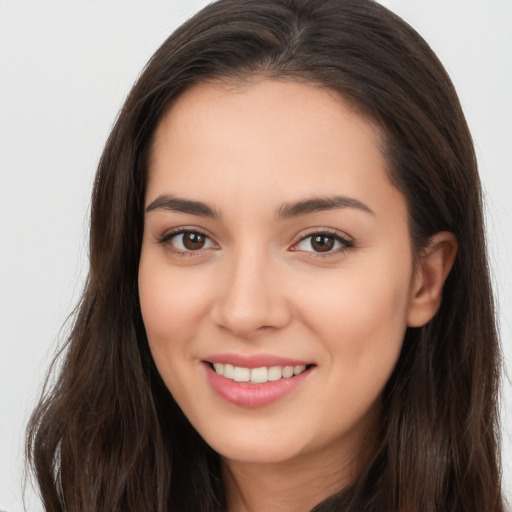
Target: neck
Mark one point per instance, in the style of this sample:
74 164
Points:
295 485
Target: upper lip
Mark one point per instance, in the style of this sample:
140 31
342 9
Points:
255 360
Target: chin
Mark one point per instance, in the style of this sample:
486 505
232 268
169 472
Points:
256 449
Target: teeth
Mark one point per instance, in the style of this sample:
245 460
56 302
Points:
275 373
219 368
242 374
229 371
257 375
298 369
287 372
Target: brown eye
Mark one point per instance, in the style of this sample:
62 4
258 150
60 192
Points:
186 242
322 243
193 241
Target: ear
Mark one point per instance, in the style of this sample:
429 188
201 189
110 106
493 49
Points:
433 267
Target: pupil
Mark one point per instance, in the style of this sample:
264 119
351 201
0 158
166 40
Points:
193 241
322 243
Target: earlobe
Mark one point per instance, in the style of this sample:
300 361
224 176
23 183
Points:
433 267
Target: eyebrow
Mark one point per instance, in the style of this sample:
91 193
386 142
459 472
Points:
286 211
318 204
177 204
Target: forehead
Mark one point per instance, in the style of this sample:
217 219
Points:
300 108
272 139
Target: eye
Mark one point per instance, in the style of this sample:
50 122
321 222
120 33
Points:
186 241
323 242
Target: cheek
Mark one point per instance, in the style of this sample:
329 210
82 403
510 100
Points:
361 315
172 305
361 324
169 301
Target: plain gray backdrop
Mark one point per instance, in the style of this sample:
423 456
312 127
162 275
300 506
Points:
65 68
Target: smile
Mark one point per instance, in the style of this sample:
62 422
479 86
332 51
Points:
255 382
257 375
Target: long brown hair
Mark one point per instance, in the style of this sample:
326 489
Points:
108 436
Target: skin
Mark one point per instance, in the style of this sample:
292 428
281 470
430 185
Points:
258 285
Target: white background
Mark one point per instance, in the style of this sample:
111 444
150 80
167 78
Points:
65 68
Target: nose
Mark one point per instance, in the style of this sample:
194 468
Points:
250 297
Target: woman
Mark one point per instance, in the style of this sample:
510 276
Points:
288 305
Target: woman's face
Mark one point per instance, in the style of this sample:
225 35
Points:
274 243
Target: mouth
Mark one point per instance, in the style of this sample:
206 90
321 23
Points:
254 385
259 375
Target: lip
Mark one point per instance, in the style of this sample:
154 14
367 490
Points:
249 395
255 361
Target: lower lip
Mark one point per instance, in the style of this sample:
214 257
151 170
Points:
246 394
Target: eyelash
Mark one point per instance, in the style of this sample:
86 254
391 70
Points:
345 243
166 238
